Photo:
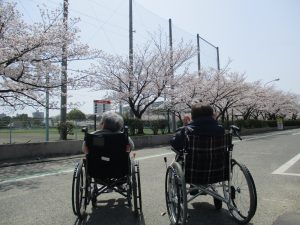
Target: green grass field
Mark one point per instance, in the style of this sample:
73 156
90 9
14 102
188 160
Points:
32 135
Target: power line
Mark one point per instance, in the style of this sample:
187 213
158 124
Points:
25 10
111 15
83 14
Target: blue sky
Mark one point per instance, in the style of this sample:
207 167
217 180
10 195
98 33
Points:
261 37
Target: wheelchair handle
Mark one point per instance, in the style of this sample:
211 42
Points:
84 130
235 131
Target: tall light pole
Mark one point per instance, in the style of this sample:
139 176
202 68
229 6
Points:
172 73
47 109
277 79
64 78
130 54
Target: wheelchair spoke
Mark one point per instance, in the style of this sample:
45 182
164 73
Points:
175 195
242 201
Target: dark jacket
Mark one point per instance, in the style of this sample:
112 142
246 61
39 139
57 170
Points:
202 125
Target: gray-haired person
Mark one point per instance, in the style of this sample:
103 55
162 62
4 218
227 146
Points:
110 122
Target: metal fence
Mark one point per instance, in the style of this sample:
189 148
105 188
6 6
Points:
30 130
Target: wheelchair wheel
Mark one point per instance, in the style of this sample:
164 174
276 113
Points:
136 188
243 198
139 191
176 196
80 190
129 191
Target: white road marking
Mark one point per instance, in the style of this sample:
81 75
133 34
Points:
69 170
289 174
270 135
281 170
35 176
296 133
154 156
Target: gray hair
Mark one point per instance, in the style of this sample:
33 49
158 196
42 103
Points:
112 121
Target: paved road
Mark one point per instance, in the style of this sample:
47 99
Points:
40 193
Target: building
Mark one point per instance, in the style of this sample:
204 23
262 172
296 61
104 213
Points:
38 115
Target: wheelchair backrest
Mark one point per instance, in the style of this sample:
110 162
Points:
207 159
107 157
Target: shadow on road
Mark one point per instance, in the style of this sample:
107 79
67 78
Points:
112 211
203 213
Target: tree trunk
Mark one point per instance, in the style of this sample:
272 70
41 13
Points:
140 126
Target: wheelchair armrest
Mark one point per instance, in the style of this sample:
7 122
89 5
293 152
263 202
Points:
178 152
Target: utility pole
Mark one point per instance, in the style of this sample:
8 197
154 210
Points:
218 58
47 108
64 63
130 53
198 54
120 103
172 73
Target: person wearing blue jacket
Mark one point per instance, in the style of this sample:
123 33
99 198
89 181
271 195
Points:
203 122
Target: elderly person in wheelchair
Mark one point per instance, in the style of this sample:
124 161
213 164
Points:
110 122
107 167
203 165
203 122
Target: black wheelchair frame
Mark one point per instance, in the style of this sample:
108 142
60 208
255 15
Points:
239 192
120 175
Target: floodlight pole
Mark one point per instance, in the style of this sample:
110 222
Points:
130 53
172 73
218 58
198 54
47 109
64 64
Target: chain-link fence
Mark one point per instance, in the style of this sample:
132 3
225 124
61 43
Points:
31 130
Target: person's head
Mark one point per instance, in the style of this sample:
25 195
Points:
200 109
111 121
186 119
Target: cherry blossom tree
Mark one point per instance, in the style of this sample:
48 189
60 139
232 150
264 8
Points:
31 54
279 104
229 92
252 101
189 87
262 102
222 89
151 76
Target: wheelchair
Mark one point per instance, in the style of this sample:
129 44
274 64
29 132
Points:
205 167
106 168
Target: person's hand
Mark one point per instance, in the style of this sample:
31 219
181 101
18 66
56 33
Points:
84 148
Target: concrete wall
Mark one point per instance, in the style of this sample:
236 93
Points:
39 150
151 140
61 148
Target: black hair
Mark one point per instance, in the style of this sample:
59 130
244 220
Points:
201 110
